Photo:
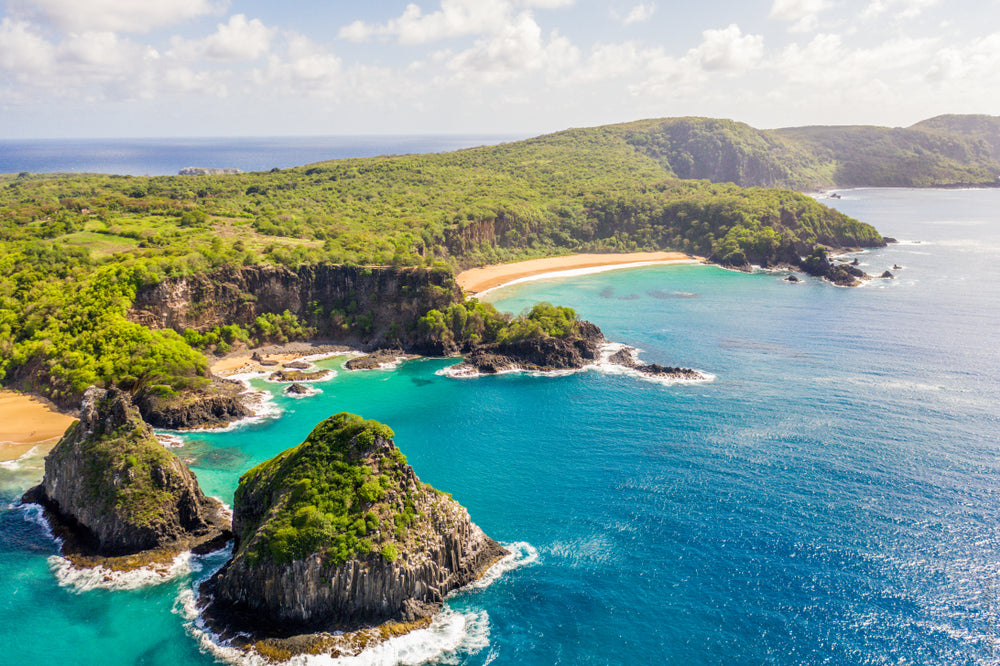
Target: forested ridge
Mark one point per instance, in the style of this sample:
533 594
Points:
75 249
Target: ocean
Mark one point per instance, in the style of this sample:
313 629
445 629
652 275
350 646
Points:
832 496
165 157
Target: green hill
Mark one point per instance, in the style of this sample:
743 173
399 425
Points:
76 249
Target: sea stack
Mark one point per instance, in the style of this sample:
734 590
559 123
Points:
112 489
339 534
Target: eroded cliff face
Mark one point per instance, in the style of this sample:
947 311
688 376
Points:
371 306
581 348
114 485
405 547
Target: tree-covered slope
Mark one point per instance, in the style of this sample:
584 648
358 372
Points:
897 157
76 249
986 128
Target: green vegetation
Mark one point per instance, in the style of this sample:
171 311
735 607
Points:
476 322
75 248
337 495
117 467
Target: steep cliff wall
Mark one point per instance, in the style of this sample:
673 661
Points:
111 481
375 306
339 532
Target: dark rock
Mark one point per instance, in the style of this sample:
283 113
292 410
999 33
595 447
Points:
887 275
297 365
403 545
574 351
298 375
855 262
625 357
297 389
819 265
374 360
887 240
115 490
792 278
216 405
897 267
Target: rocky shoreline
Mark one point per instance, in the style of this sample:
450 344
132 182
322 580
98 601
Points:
116 498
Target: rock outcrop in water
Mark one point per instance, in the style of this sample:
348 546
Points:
338 533
625 357
215 405
113 485
543 354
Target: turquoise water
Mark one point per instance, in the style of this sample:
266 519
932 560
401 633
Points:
831 497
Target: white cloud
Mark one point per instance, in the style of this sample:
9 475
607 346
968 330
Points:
802 14
728 50
640 13
454 18
517 48
304 69
133 16
23 51
239 39
901 8
975 63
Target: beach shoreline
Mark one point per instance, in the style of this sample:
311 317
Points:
27 422
476 281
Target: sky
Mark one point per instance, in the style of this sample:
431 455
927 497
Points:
192 68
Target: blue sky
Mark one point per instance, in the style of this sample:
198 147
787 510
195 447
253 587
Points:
107 68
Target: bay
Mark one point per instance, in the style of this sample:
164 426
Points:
831 497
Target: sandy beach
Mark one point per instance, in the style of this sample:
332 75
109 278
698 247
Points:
26 422
478 280
242 361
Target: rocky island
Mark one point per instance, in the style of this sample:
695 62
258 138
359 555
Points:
112 491
338 534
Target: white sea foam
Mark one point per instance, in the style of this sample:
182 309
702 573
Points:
17 463
101 578
170 440
35 513
522 554
451 635
603 364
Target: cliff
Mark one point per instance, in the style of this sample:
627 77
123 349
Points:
366 306
215 405
112 485
338 533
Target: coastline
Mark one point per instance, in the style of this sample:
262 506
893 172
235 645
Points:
26 422
476 281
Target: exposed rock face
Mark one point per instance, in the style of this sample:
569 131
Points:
339 532
298 375
297 389
207 171
574 351
119 489
819 265
374 360
215 405
626 357
325 296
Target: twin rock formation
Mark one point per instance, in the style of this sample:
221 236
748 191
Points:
335 534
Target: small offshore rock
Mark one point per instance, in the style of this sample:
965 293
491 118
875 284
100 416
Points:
887 275
297 389
375 360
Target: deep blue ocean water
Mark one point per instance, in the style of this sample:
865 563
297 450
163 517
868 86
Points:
832 497
165 157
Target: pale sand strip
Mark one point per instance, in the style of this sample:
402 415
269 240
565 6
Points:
478 280
27 421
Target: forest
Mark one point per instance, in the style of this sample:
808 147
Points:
75 248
